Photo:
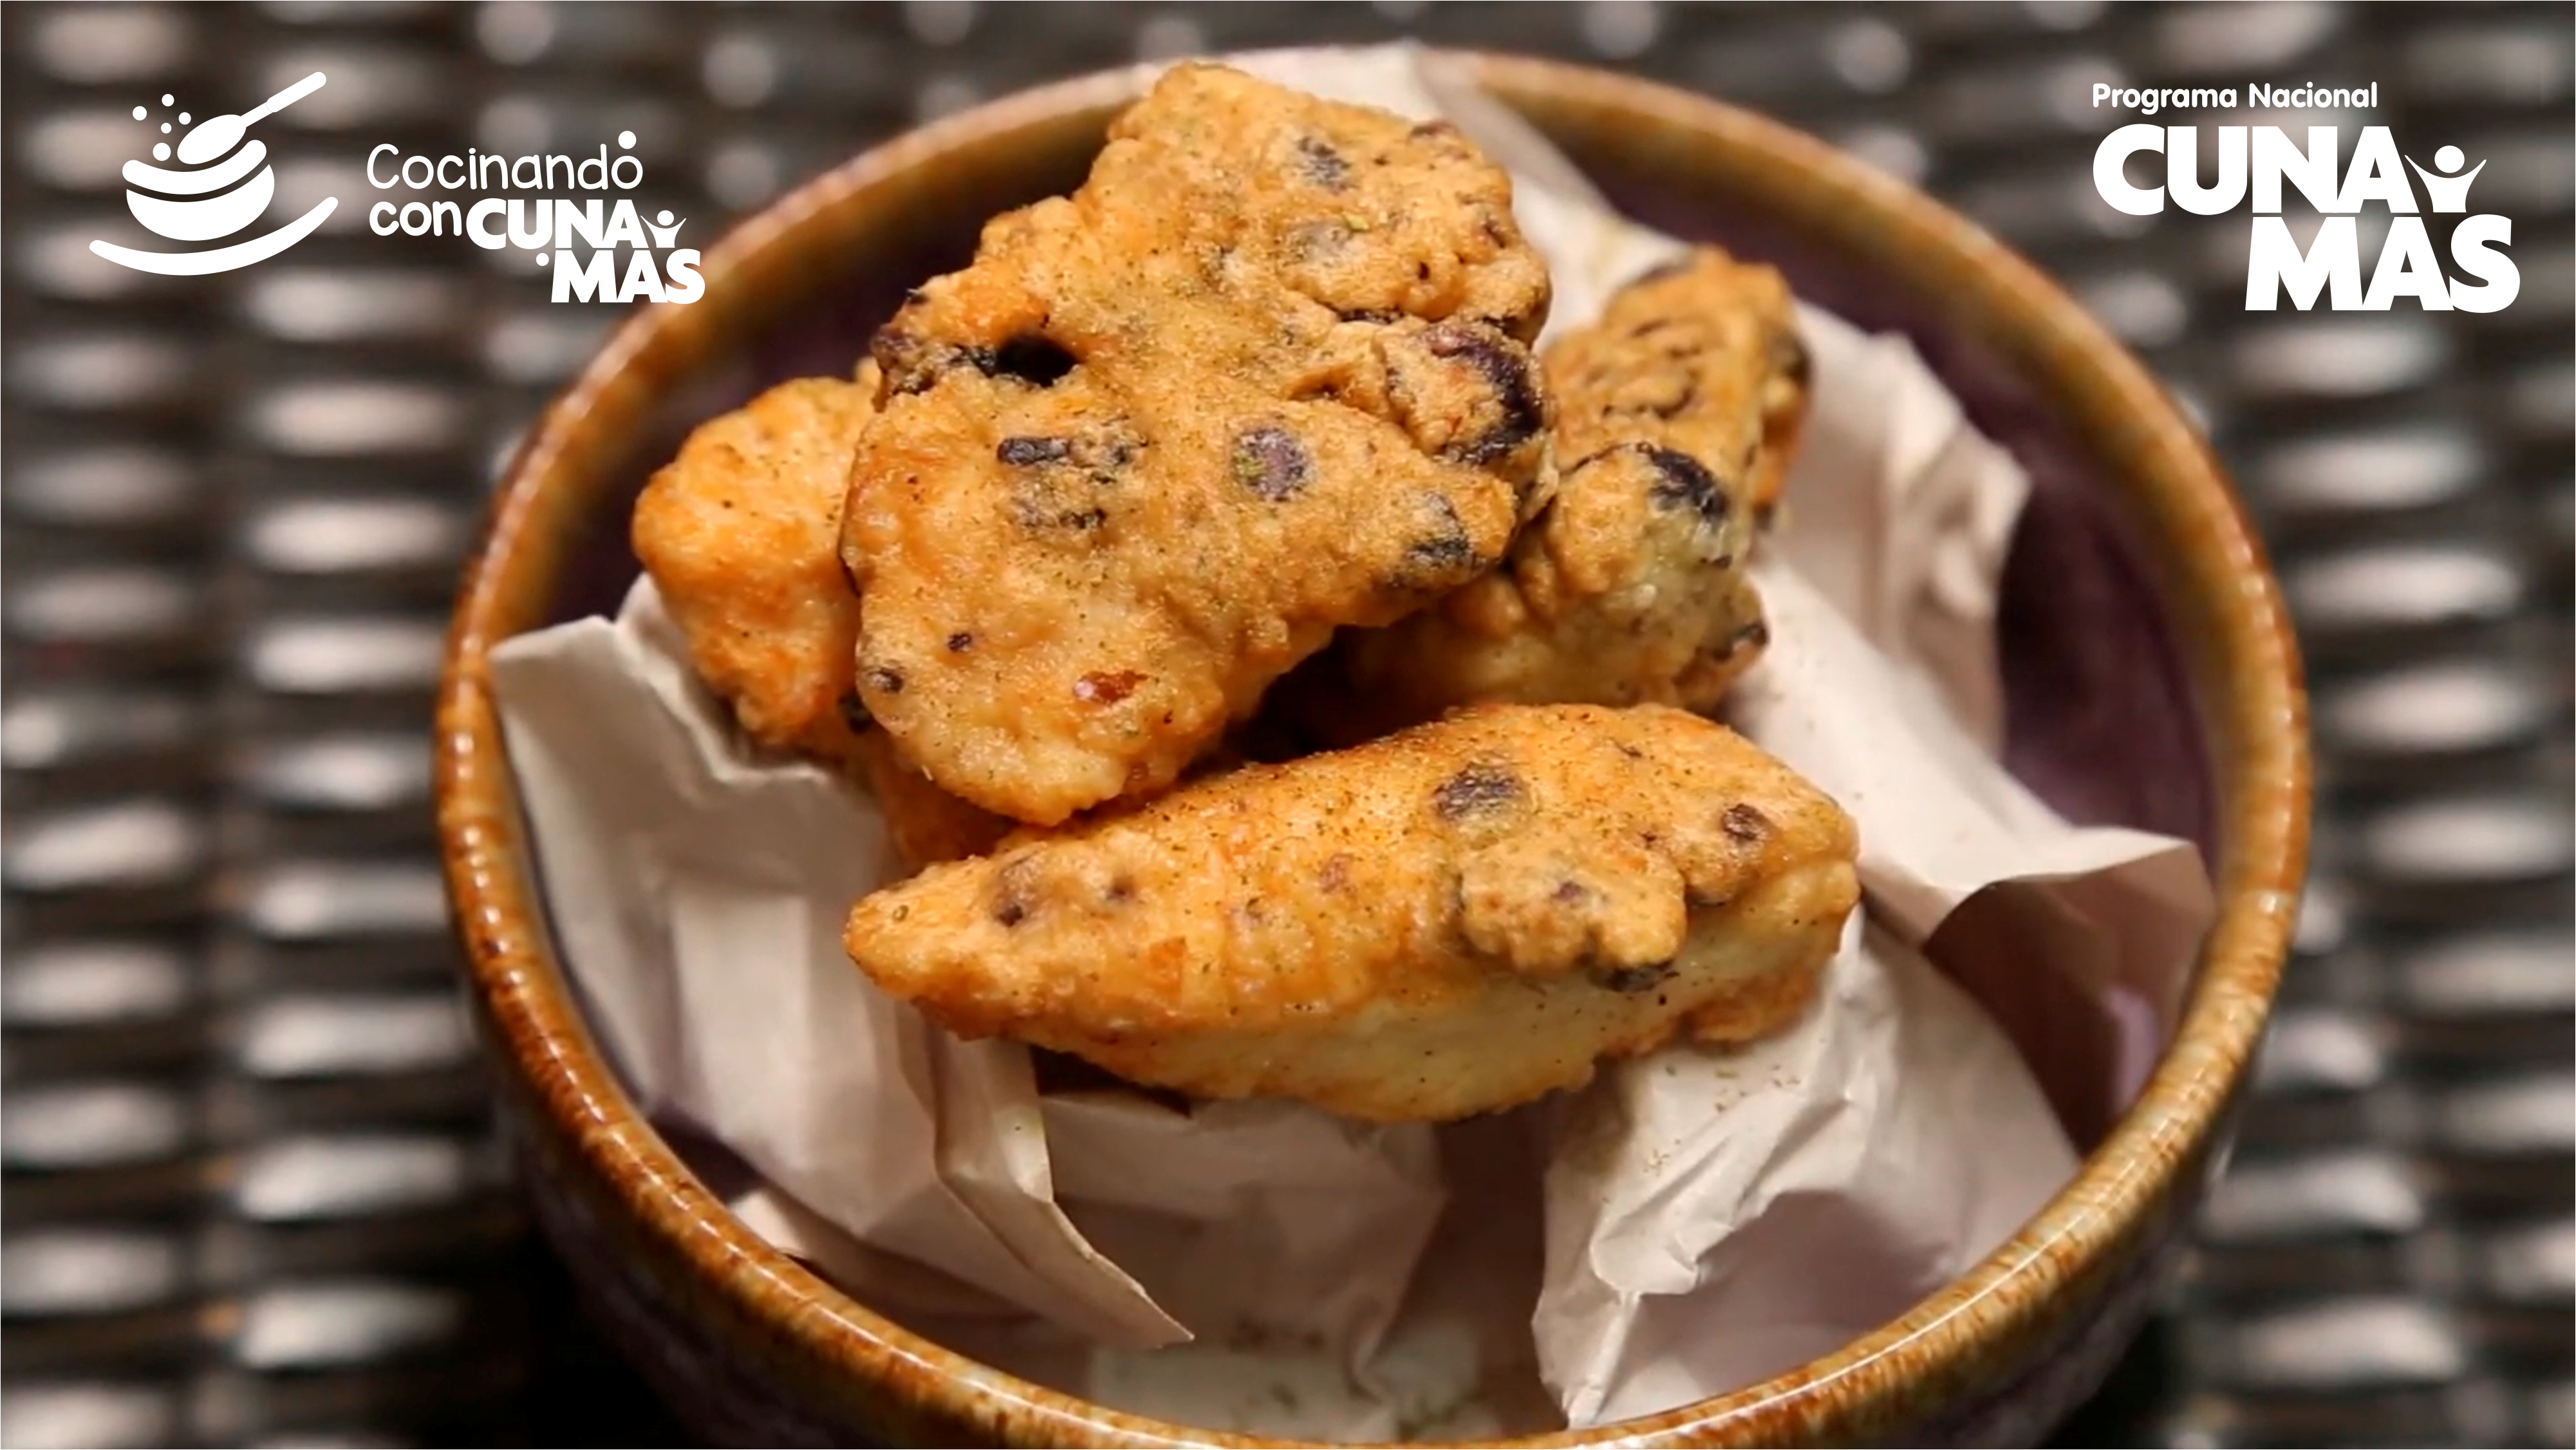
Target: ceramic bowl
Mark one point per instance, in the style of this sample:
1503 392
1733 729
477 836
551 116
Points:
2150 672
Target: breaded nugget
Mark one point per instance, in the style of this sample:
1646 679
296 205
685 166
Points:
926 824
1447 921
1265 374
1676 416
739 532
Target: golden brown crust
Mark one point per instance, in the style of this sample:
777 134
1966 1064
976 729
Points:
1265 374
1676 416
1701 356
1448 921
926 824
739 532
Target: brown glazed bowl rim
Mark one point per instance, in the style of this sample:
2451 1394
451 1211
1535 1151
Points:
1997 1314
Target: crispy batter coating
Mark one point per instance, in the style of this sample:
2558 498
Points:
1447 921
739 532
1265 374
1677 413
926 824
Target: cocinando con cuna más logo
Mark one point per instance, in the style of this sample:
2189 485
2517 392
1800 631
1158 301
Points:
657 269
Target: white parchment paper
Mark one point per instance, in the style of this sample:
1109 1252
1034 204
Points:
1694 1221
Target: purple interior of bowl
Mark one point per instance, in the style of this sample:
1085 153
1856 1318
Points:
2101 719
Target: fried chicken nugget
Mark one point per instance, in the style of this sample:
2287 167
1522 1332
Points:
1677 414
926 824
739 532
1451 920
1264 375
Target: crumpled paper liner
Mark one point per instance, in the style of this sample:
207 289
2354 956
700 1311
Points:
1694 1221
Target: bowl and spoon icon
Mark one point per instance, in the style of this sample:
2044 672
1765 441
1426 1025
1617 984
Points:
225 188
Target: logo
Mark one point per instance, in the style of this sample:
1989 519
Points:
2262 163
224 187
657 267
